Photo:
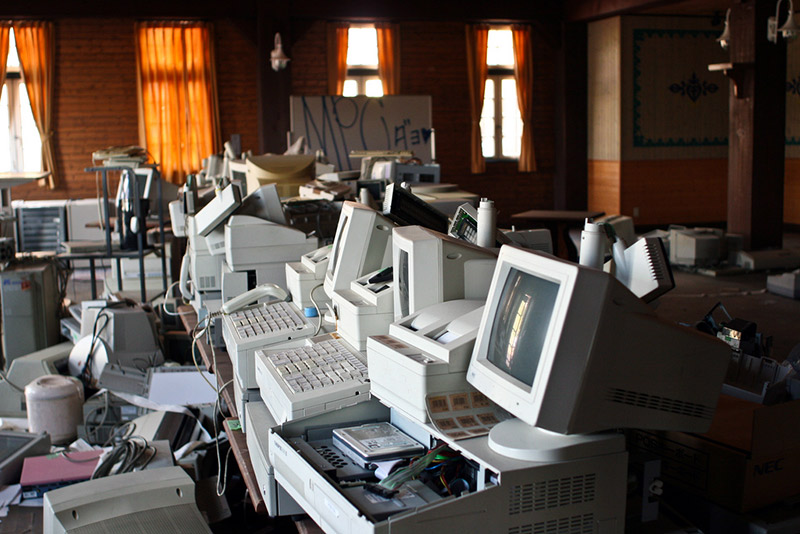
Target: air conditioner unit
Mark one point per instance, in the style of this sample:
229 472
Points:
41 224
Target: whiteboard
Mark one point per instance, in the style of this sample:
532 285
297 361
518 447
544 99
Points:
338 124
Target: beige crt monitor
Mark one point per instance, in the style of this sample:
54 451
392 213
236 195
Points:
363 244
430 267
154 500
287 172
569 349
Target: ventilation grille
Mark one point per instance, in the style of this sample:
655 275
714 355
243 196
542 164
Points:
577 524
549 494
41 228
207 282
661 404
657 268
177 518
332 456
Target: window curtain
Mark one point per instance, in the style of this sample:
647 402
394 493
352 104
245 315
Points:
36 49
523 73
5 28
389 57
177 95
477 72
337 56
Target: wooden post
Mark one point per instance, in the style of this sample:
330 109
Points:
570 190
757 126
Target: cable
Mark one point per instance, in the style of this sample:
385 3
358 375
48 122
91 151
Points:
319 312
4 376
93 427
742 293
86 372
164 304
127 455
195 337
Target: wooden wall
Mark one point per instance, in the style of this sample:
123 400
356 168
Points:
657 121
96 99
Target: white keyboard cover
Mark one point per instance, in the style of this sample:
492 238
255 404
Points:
254 328
324 374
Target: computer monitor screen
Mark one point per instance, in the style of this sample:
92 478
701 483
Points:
518 332
569 349
430 267
363 244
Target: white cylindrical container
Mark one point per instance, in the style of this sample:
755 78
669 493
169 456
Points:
593 245
487 224
55 406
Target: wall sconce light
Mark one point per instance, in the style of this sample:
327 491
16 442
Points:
278 59
790 30
725 38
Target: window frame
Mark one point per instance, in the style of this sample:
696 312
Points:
13 86
498 73
362 73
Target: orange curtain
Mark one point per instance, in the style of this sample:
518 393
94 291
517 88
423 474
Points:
477 72
337 56
389 57
5 28
177 93
523 73
36 49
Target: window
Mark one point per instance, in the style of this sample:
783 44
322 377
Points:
501 123
20 144
178 96
362 62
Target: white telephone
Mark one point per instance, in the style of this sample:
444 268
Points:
187 293
248 297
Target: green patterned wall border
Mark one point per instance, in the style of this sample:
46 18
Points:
639 140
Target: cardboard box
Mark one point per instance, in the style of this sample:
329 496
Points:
749 458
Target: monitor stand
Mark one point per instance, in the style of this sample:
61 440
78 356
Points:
516 439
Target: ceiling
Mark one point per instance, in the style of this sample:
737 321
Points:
690 7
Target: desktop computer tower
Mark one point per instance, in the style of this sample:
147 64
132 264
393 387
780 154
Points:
29 297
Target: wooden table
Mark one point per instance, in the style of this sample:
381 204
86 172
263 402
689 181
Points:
238 441
558 222
224 374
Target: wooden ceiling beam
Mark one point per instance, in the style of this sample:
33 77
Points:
587 10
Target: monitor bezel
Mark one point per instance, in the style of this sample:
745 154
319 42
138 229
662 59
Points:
512 394
364 221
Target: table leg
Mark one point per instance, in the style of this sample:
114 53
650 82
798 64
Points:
93 278
119 274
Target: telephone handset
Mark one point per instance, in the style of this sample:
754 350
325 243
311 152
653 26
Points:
187 293
248 297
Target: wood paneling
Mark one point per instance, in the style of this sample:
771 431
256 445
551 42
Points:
791 195
604 186
661 192
674 191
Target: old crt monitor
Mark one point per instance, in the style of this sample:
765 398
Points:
430 267
363 243
569 349
154 500
406 209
